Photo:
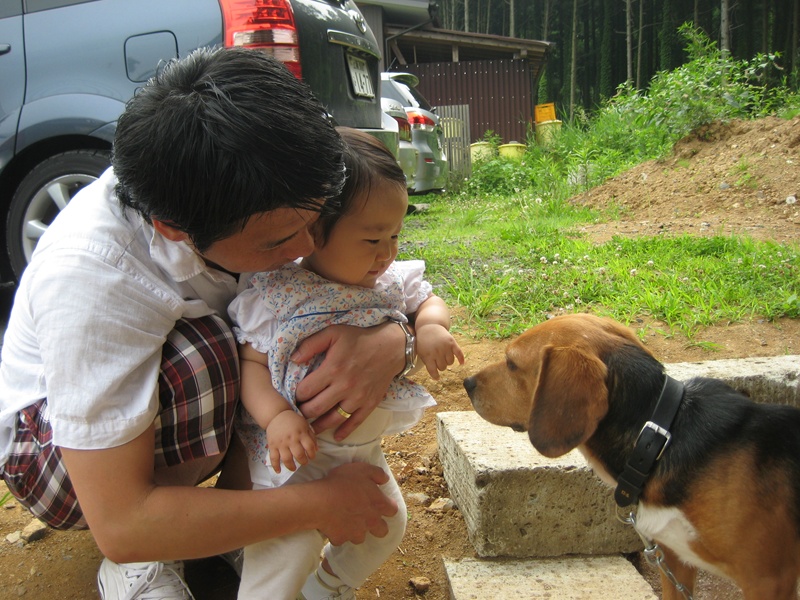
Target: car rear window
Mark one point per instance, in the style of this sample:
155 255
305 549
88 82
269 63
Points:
405 95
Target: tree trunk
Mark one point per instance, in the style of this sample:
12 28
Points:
795 35
639 43
546 20
629 38
512 29
466 15
573 71
607 50
725 28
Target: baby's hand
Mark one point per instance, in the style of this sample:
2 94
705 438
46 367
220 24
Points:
437 348
291 440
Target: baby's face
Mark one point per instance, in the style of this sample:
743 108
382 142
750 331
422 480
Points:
363 243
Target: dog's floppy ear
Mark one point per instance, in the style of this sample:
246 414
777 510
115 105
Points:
569 401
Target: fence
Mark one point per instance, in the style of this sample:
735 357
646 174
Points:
454 120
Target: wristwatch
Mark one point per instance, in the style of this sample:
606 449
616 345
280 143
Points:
411 349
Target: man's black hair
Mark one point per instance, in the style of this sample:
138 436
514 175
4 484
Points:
219 136
367 162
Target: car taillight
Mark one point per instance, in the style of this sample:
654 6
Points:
266 25
405 128
420 121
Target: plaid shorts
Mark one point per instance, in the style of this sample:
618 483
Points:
198 392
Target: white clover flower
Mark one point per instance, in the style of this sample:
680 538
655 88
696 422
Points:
543 260
650 263
633 272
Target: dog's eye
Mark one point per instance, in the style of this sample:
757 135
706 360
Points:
510 364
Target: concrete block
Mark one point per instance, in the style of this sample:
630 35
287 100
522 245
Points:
518 503
774 379
574 578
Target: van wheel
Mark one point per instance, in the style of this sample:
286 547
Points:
45 191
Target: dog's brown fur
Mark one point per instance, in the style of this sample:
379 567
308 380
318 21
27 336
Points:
732 469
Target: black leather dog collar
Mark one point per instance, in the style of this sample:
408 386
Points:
650 445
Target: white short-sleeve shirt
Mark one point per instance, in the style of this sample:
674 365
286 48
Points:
91 314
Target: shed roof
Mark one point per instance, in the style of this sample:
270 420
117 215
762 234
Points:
429 44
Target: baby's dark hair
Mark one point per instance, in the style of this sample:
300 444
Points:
367 162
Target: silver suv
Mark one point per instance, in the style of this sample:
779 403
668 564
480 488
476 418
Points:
427 135
68 67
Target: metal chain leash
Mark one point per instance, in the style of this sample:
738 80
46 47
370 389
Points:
654 555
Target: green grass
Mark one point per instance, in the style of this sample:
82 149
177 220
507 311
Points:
506 262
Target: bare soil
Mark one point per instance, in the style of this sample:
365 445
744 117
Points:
736 178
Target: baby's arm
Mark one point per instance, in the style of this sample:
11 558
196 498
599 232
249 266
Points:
435 345
291 439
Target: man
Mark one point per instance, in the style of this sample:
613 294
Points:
119 374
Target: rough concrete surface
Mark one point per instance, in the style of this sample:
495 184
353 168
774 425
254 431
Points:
575 578
773 379
517 503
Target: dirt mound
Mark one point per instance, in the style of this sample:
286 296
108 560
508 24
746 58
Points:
738 177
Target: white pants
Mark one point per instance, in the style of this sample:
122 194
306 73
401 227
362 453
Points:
276 569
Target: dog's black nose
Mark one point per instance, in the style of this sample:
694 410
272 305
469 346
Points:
470 383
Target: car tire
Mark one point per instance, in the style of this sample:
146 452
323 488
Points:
41 195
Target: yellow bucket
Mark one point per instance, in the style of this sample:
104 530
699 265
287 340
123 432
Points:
513 150
480 151
546 131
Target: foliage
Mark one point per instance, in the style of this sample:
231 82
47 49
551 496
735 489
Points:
710 87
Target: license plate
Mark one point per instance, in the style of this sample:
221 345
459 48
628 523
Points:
359 76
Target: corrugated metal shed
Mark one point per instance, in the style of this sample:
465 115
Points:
498 93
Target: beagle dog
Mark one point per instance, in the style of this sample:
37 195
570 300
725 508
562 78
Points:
714 477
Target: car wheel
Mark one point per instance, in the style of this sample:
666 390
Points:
44 192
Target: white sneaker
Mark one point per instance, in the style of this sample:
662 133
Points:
316 589
142 581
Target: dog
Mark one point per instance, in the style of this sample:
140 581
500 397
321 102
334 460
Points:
714 478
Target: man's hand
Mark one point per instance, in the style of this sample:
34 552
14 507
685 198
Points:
355 504
359 365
